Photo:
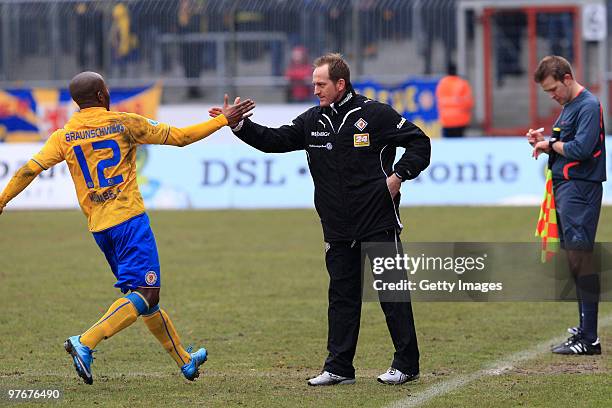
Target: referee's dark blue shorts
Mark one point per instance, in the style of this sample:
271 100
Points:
578 206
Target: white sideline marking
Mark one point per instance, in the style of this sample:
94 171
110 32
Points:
497 368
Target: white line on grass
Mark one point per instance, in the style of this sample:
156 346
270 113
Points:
499 367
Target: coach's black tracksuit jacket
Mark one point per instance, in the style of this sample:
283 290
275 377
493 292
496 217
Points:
350 149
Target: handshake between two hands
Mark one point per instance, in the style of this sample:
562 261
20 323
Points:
233 113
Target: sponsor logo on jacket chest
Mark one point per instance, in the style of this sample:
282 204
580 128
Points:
361 139
361 124
327 146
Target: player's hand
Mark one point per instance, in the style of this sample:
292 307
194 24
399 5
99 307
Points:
393 184
238 111
534 136
540 147
217 110
214 111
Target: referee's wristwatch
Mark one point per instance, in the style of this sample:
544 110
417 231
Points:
552 141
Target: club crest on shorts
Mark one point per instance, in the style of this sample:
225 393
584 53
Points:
151 278
361 124
361 139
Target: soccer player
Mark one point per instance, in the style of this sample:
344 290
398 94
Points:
578 162
99 147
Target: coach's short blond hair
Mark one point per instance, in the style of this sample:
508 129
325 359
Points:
338 68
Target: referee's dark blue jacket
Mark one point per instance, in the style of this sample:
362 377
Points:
583 132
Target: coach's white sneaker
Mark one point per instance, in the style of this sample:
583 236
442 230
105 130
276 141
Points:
327 378
396 377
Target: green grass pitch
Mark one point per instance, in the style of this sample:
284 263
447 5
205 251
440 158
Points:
251 286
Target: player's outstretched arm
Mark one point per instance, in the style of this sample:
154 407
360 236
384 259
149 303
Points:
284 139
229 115
22 178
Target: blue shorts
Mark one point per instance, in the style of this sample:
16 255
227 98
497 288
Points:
131 252
578 206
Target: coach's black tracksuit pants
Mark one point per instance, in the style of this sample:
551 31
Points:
344 262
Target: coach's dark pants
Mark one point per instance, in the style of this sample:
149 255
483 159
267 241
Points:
344 263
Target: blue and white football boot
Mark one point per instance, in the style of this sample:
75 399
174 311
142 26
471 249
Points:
81 356
190 370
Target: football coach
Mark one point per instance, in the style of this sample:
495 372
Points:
350 144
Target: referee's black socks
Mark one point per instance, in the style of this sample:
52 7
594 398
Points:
587 289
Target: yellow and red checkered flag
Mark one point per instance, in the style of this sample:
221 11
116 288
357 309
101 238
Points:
547 222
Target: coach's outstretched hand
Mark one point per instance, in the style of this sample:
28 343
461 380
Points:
234 113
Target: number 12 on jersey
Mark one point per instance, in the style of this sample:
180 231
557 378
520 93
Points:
102 164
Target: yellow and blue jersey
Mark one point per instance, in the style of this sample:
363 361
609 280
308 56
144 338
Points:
99 147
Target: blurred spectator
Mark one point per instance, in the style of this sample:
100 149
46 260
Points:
509 43
282 26
298 74
313 28
437 25
558 29
189 22
370 27
337 20
149 20
249 17
455 102
124 43
89 36
429 29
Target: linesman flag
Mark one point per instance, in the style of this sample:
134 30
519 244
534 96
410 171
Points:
547 222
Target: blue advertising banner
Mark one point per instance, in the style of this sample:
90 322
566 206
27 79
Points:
223 176
216 174
474 171
414 99
478 171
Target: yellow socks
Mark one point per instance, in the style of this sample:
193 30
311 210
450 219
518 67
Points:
123 312
120 315
162 328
